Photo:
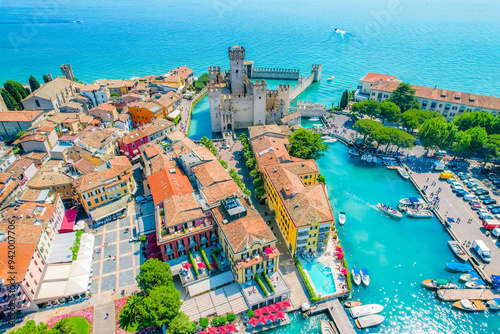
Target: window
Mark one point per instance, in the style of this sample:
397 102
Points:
57 187
37 103
32 292
386 96
440 105
67 194
454 108
424 103
124 191
96 200
379 95
433 105
88 203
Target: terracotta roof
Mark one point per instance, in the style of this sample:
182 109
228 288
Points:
43 180
45 128
68 138
89 181
151 128
372 77
7 191
124 116
180 209
18 167
151 106
84 166
220 191
290 117
152 150
90 88
30 195
248 229
210 173
61 117
203 153
270 150
129 83
439 94
96 139
24 253
19 116
169 182
168 99
33 137
182 71
41 211
161 161
105 107
259 130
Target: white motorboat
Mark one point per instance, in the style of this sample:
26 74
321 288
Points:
341 218
369 158
353 153
330 141
469 277
356 276
374 160
494 304
364 310
330 78
403 173
475 284
364 157
325 328
390 211
365 277
314 119
369 321
419 213
326 137
412 201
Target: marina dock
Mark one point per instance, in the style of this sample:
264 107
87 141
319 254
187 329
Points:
339 316
450 295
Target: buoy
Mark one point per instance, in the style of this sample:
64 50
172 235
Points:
354 266
343 233
350 255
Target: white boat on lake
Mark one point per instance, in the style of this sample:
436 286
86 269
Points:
330 141
419 213
364 157
356 276
325 328
494 304
369 158
412 201
403 173
374 160
390 211
469 277
353 152
364 310
341 218
369 321
330 78
365 277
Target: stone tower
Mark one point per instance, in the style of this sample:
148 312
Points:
67 71
259 102
237 58
316 69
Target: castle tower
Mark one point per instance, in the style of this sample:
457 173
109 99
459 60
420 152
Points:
316 69
237 59
213 73
49 75
67 71
259 102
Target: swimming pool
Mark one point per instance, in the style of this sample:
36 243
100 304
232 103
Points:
321 277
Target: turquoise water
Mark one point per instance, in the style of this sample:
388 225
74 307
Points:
321 277
200 121
299 324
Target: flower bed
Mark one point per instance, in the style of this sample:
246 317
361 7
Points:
87 313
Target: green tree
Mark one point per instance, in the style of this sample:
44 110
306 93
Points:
389 111
154 273
492 145
63 326
412 119
161 306
132 311
307 144
231 317
31 327
402 139
469 120
434 134
478 138
344 100
222 320
204 322
181 325
370 108
462 144
250 163
452 135
246 192
259 191
9 100
45 78
15 89
404 97
223 163
255 174
321 179
34 84
250 313
366 128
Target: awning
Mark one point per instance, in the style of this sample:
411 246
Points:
108 209
211 283
413 199
77 284
51 290
68 221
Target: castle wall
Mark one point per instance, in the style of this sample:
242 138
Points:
243 110
275 73
310 109
259 103
306 82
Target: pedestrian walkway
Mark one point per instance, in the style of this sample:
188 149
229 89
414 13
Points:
104 318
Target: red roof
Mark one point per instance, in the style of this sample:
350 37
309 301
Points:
168 182
373 77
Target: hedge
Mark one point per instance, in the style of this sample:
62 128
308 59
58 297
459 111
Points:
261 285
306 281
345 263
205 259
216 260
204 322
268 281
195 267
349 283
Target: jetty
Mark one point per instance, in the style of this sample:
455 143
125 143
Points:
450 295
342 324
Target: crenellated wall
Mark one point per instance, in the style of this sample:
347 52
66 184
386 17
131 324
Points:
274 73
310 109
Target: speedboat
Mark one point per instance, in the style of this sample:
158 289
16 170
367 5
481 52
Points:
403 173
353 152
365 277
369 158
326 137
356 276
494 304
374 159
361 311
331 78
369 321
391 167
341 218
412 201
469 277
419 213
364 157
390 211
439 284
459 267
457 249
325 328
352 303
470 305
314 119
476 284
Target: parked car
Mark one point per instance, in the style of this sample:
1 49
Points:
476 206
493 206
451 180
483 197
481 192
495 211
456 188
469 197
498 185
461 193
490 201
497 216
481 211
471 185
492 176
496 232
224 146
495 182
485 216
464 176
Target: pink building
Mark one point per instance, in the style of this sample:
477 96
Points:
157 129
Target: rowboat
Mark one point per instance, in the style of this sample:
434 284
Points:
364 157
363 310
470 305
403 173
459 267
494 304
439 284
419 213
457 249
469 277
475 284
341 218
356 276
325 328
365 277
353 153
369 321
352 303
390 211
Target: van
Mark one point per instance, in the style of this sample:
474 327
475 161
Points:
496 232
456 188
440 152
481 250
446 176
491 224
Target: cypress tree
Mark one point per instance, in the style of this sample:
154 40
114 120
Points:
10 102
28 91
20 88
45 78
34 84
14 91
343 102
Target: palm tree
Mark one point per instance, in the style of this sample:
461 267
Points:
64 326
133 310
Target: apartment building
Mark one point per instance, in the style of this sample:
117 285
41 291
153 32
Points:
158 129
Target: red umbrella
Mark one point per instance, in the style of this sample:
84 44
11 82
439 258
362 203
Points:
186 265
222 330
340 255
271 308
280 314
212 330
231 328
269 250
338 247
344 271
262 319
254 322
272 317
203 332
266 309
286 304
258 312
201 265
279 305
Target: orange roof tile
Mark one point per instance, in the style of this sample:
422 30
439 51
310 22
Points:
372 77
20 115
168 182
181 208
210 173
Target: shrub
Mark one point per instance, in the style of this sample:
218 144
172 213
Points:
349 283
142 238
250 313
204 322
177 119
345 263
306 281
261 285
205 259
215 321
214 257
222 320
223 163
231 317
268 281
195 267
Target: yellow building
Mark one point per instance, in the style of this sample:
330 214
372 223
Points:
102 188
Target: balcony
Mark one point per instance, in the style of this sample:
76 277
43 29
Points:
166 236
169 251
270 265
303 234
301 242
192 243
256 259
249 273
324 229
203 240
213 236
260 271
181 247
321 244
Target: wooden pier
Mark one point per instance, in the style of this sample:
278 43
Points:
450 295
342 324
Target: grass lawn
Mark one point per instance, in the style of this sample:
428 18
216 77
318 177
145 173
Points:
126 326
82 326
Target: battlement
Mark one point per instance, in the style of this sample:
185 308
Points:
262 84
304 103
213 87
214 69
276 70
284 88
310 106
237 52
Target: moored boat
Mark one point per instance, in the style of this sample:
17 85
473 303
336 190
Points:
391 167
403 173
356 276
475 284
470 305
374 160
331 78
494 304
369 321
390 211
352 303
469 277
419 213
365 277
314 119
459 267
412 201
369 158
457 249
341 218
325 328
330 141
364 310
364 157
439 284
353 153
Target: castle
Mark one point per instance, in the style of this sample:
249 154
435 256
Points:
238 103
